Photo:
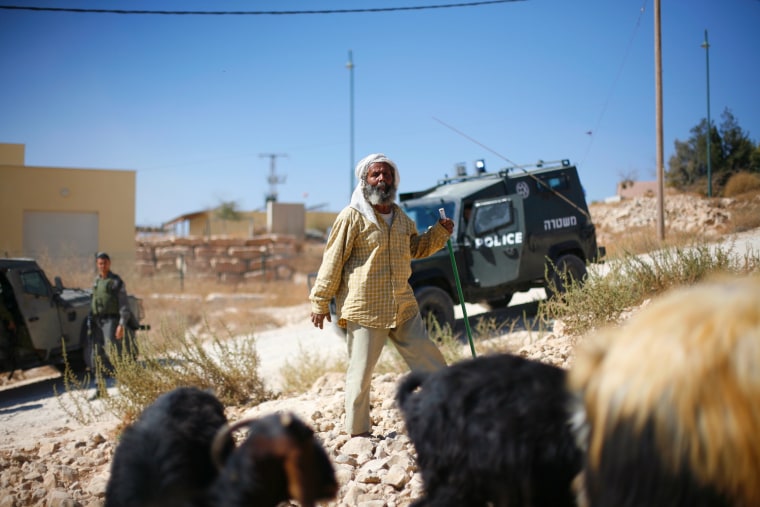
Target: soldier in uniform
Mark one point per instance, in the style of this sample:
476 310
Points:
110 312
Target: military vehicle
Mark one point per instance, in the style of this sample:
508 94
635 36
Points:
515 229
38 319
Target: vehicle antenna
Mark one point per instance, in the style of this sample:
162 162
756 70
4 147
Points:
538 180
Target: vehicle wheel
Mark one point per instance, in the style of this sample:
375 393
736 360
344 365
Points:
568 269
502 302
435 304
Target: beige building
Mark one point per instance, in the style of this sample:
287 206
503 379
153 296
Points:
62 213
279 218
631 189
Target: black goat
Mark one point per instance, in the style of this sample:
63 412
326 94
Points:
669 405
279 459
492 429
165 454
180 453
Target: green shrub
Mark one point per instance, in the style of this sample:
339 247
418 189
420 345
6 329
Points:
228 367
631 279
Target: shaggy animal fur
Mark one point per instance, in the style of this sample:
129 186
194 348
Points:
165 454
669 405
492 429
180 453
279 459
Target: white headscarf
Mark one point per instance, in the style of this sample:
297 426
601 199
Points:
358 201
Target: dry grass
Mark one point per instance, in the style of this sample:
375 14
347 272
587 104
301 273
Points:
741 184
641 240
298 376
631 279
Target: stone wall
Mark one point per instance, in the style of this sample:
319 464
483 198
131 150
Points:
220 258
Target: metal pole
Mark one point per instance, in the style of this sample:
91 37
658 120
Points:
450 248
350 67
706 45
658 121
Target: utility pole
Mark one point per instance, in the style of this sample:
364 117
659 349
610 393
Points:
273 178
658 121
350 67
706 45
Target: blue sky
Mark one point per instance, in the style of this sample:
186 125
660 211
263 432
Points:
193 102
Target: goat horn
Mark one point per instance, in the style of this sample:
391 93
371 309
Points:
221 437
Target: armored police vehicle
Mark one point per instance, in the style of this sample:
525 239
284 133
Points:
515 229
39 319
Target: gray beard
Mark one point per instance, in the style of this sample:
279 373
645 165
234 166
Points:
381 194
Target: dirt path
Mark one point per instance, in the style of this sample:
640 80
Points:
32 410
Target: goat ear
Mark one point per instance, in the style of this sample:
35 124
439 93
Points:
298 463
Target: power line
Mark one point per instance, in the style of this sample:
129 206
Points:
254 13
592 132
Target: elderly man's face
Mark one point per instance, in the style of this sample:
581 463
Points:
380 172
378 185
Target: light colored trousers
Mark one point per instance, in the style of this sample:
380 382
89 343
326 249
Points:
364 348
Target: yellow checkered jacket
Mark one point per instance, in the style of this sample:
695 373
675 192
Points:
367 268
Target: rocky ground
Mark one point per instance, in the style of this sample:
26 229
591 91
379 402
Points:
68 465
682 213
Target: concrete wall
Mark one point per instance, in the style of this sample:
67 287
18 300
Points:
286 218
222 259
11 154
108 193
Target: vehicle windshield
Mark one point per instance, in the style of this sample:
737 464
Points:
427 215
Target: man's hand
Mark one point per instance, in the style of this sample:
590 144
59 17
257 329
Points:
119 332
447 224
318 319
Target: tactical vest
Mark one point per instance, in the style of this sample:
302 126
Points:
105 300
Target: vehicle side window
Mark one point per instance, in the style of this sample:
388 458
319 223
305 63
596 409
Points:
34 283
492 215
556 182
428 216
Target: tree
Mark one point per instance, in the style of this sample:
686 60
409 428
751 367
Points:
754 161
737 146
731 150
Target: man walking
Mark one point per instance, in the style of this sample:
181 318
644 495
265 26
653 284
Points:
366 267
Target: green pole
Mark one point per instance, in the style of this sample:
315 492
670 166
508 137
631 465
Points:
350 67
706 45
442 212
